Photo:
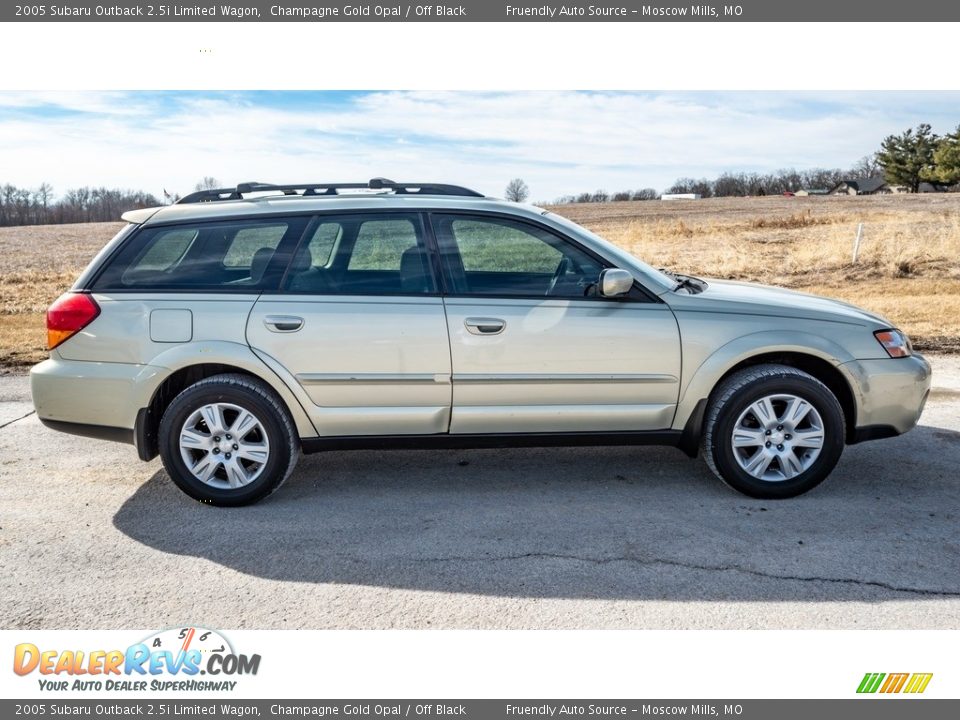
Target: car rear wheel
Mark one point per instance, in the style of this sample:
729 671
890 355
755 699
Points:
228 440
773 431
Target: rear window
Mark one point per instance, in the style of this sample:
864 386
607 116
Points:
363 254
380 245
233 255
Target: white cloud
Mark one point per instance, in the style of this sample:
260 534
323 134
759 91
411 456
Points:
560 142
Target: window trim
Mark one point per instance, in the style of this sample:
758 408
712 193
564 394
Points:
283 257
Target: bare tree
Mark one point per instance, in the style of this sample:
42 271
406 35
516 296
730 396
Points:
866 167
207 183
517 190
44 195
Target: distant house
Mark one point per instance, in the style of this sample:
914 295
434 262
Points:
680 196
862 186
933 187
811 191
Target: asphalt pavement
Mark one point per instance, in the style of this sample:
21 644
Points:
643 537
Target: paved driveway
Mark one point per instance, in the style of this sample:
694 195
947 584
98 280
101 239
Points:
582 537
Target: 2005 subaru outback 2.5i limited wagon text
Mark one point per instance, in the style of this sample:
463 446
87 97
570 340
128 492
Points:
231 330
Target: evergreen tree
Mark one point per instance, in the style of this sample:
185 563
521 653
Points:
907 159
946 159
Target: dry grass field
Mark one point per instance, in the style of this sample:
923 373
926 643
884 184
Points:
908 267
908 270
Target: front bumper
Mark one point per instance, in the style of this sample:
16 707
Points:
890 394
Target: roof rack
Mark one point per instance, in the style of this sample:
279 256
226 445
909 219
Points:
326 190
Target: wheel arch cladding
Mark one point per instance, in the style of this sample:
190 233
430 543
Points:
148 419
820 368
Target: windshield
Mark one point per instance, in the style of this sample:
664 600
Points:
615 252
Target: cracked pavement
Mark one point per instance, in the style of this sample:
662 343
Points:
556 538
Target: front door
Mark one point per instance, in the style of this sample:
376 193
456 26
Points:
533 347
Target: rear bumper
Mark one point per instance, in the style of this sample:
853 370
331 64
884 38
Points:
93 399
890 395
97 432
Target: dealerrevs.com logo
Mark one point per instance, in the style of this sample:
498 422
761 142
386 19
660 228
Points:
177 659
892 683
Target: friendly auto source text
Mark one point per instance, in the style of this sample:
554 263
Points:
562 11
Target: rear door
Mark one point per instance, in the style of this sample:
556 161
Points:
534 349
360 324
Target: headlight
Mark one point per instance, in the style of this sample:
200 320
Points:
894 342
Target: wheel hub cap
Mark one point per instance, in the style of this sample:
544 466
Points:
224 445
778 437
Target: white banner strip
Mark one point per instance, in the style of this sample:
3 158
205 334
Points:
471 664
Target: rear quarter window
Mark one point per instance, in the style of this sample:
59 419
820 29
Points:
228 255
166 250
249 240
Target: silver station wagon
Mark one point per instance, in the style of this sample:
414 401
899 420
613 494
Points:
233 330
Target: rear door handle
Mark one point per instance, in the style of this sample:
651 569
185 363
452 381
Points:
485 326
283 323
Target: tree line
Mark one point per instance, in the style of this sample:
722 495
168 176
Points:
913 157
742 184
39 206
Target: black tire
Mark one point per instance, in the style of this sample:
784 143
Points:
737 393
247 393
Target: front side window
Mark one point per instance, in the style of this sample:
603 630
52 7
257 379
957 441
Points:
503 257
363 254
230 255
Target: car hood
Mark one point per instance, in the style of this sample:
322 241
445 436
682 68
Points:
742 297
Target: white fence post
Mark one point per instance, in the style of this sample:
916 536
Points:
856 243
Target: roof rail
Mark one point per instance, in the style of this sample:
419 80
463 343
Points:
326 190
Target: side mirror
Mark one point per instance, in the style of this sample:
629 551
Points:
615 282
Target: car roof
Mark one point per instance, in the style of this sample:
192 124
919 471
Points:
252 207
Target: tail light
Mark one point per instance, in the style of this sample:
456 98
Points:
69 314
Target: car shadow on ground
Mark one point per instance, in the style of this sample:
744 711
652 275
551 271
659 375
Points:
609 523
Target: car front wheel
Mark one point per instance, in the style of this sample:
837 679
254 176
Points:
773 431
228 440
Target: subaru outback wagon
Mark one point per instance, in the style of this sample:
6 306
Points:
233 330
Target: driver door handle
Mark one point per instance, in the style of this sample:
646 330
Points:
485 326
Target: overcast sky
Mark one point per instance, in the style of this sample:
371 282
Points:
559 142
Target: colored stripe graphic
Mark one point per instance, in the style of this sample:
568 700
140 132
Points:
918 683
870 682
894 683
